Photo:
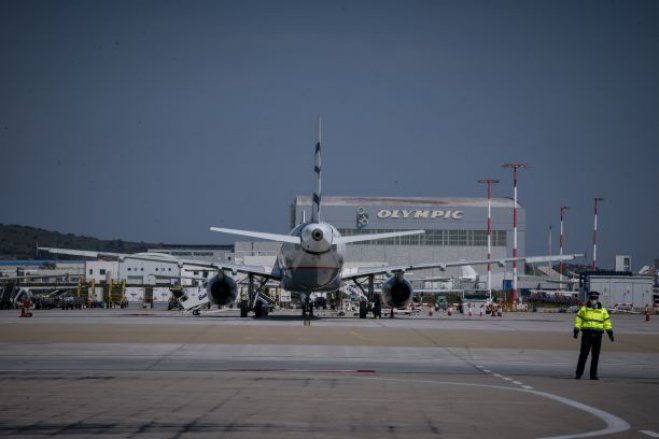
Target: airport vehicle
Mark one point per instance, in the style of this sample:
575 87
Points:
310 260
441 303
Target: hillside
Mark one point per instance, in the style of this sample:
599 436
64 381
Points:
19 242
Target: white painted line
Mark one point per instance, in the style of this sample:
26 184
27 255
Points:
650 433
518 383
507 379
613 423
487 371
527 387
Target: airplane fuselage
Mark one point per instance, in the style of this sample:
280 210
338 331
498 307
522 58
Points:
316 263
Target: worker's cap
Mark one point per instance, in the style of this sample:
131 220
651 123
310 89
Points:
594 295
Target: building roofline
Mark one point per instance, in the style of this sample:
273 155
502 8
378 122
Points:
304 200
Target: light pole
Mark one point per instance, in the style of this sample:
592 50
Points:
515 166
560 244
596 200
489 182
549 238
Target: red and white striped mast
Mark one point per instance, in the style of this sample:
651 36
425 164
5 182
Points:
515 166
489 182
596 200
560 244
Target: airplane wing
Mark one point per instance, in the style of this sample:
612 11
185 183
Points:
262 235
388 270
296 239
262 271
566 281
85 253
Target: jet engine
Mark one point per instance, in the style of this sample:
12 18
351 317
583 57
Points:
397 291
222 289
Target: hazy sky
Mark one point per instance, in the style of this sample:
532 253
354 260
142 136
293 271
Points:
155 120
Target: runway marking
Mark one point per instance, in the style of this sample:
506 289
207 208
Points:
498 375
358 335
649 433
613 423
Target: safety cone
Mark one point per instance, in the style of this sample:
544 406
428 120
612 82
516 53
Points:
499 313
25 308
449 310
647 314
481 311
469 312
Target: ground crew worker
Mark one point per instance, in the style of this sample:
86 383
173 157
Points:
592 319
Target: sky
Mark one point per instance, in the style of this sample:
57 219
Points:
153 120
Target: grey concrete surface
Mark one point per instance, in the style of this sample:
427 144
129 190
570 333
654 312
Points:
137 373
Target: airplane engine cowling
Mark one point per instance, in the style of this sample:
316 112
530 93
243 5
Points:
222 289
397 292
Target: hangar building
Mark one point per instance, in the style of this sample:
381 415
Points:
455 228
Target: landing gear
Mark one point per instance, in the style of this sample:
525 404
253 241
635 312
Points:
368 296
260 310
244 308
307 308
377 307
195 312
363 308
255 300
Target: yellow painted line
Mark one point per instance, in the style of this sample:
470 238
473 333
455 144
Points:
358 335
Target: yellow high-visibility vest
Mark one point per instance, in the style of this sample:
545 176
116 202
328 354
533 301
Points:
596 319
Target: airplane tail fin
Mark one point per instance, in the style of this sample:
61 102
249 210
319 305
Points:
315 204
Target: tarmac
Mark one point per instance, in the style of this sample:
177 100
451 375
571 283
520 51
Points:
162 374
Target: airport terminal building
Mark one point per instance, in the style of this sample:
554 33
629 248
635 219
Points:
455 228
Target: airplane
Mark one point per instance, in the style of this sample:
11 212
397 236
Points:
310 260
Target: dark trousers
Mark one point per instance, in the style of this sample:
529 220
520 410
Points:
590 340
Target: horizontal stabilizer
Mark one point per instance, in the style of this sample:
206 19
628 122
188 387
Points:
269 236
374 236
